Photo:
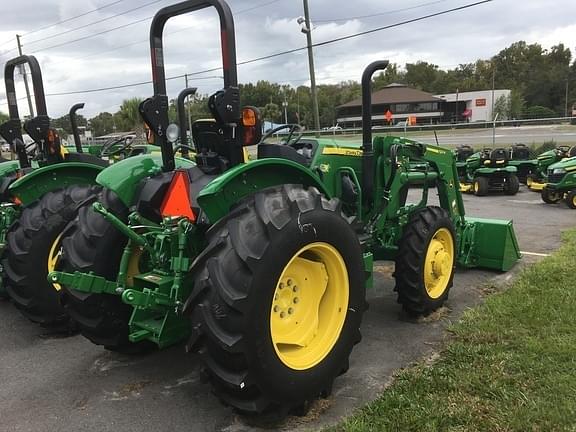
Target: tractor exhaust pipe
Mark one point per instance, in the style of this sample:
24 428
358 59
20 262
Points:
367 149
74 125
182 119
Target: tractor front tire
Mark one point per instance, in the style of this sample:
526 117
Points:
92 244
550 197
279 294
481 186
426 260
571 199
33 245
512 185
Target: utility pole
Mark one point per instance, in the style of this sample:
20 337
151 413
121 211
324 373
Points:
188 113
493 81
308 31
285 105
566 108
23 72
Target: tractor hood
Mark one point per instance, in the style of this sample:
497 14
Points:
569 164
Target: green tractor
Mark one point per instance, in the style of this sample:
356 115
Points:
40 194
520 157
561 183
488 171
537 180
261 266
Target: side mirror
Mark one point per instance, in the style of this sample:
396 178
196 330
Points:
251 126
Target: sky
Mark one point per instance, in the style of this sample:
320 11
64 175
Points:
90 52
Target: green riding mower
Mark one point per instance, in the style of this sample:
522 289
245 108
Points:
561 183
488 171
261 267
537 180
520 157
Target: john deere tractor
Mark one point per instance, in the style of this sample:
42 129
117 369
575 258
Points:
519 157
41 193
561 183
261 267
489 171
537 180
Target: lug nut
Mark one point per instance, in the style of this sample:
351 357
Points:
281 286
282 314
289 282
275 308
294 288
290 310
296 300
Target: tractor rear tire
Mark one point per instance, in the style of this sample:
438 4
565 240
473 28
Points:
426 260
92 244
550 197
32 241
481 186
571 199
239 281
512 185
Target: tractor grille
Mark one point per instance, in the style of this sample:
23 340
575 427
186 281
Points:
555 178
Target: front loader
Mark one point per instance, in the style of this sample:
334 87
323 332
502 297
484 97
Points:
261 266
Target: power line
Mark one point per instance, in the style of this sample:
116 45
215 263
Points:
360 17
136 22
294 50
92 23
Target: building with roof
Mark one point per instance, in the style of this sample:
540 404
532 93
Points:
418 107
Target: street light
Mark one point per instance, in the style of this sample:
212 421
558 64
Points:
306 28
285 105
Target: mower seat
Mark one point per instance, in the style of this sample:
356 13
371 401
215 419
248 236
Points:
572 151
463 152
520 152
283 152
495 158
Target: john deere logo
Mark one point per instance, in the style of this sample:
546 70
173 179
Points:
342 151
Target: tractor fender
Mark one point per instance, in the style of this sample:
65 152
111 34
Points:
8 174
123 178
217 197
35 184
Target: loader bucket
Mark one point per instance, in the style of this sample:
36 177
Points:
488 243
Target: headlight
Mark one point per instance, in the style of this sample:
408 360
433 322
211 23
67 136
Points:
559 171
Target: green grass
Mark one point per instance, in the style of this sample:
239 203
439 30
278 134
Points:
510 364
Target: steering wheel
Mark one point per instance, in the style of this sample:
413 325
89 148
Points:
106 149
563 149
293 128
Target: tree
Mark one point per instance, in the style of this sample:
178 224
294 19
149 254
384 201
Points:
271 112
129 115
102 124
502 107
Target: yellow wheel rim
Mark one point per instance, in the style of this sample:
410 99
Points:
309 306
53 257
439 263
574 200
529 181
476 186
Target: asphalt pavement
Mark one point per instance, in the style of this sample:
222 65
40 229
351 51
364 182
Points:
52 383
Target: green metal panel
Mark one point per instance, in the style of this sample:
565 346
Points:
8 167
222 193
52 177
490 171
123 177
489 243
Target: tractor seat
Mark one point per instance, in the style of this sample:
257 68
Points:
572 151
283 152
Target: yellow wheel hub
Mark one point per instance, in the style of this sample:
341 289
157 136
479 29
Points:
133 268
476 186
309 306
53 257
439 263
574 200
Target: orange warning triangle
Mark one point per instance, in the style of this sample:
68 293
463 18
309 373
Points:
177 199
